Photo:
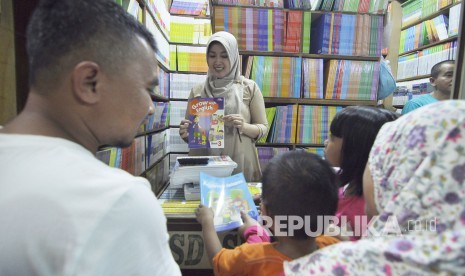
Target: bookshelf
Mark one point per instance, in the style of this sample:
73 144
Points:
190 31
148 155
429 34
333 40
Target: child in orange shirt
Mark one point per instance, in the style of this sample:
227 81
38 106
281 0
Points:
297 185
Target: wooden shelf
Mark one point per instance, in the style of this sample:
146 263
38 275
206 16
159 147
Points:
192 16
323 56
452 38
263 53
188 44
289 9
289 145
431 16
148 132
190 73
178 99
332 102
154 164
414 78
162 66
315 56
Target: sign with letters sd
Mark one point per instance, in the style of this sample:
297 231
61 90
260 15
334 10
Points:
188 248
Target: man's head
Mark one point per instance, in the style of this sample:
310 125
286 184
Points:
101 54
441 76
302 184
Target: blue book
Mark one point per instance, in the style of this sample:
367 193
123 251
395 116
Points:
227 196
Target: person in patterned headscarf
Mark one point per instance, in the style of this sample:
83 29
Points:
245 117
414 181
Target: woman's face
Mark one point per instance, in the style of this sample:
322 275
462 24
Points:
369 194
333 148
218 60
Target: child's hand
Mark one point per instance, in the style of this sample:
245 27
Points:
204 214
248 221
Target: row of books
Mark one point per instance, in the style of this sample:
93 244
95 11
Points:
181 84
159 118
188 58
265 154
130 159
408 90
190 30
352 80
190 7
427 32
345 79
161 13
144 151
177 112
346 34
158 175
156 147
301 124
134 9
414 10
421 62
261 29
163 52
279 31
163 87
276 76
454 20
361 6
288 4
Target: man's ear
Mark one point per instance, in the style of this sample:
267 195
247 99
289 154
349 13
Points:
85 79
432 81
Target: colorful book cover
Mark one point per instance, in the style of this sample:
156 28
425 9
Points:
227 196
207 127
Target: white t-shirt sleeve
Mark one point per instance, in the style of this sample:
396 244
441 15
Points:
131 239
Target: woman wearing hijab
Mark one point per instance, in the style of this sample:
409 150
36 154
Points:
245 117
414 184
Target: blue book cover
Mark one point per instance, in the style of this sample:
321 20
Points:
227 196
207 126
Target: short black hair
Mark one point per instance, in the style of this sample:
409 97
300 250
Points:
299 183
357 126
61 33
436 69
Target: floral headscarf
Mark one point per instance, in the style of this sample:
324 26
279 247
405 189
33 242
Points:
418 169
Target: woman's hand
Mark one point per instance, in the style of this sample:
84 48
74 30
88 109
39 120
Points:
183 129
237 121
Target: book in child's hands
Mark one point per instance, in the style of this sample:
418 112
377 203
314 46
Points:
207 127
228 196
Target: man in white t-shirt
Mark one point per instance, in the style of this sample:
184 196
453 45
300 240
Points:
62 211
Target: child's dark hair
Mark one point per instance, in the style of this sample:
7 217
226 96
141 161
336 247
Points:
299 183
357 126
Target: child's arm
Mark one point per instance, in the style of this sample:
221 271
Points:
252 231
212 242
